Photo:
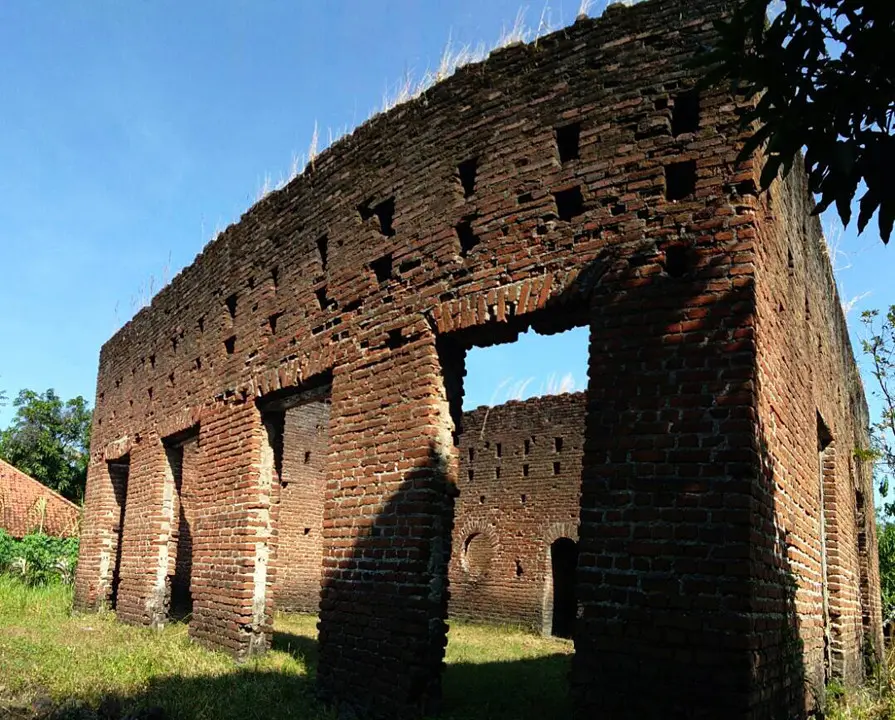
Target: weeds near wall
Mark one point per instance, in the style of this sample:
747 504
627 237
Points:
875 700
39 559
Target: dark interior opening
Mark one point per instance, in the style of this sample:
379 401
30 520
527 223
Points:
468 239
323 250
677 261
467 171
567 142
231 305
680 180
382 267
564 563
119 470
384 212
569 203
685 116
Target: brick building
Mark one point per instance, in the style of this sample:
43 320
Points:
724 558
516 515
519 484
28 506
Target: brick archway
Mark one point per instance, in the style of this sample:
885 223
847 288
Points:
553 533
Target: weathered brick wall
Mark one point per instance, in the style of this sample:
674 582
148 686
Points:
300 526
520 501
27 506
812 418
575 181
519 483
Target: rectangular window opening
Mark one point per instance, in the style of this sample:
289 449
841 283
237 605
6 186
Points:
567 142
230 302
685 115
466 237
569 203
382 268
467 172
680 180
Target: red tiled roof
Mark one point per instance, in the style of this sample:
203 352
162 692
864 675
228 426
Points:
21 508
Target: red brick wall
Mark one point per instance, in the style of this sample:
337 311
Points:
518 494
21 500
524 510
808 386
300 520
381 265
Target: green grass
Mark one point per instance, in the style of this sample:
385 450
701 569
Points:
50 657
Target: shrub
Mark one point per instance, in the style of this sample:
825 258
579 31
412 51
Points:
39 559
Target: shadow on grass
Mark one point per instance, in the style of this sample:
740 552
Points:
530 689
299 646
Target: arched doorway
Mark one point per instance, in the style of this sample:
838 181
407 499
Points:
564 562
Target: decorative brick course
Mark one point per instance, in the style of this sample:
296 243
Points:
27 506
576 181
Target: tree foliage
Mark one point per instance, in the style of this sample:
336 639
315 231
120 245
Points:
879 347
49 439
822 74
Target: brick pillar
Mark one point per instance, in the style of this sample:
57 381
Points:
232 530
666 512
100 535
147 525
387 528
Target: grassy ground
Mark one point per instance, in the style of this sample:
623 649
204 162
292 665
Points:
50 658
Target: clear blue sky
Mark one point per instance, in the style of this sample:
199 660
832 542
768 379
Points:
130 132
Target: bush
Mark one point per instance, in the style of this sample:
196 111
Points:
39 559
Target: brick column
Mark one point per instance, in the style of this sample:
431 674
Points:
99 539
387 528
141 594
232 530
669 467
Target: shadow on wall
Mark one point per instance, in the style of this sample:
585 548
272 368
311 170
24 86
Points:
686 596
520 690
686 600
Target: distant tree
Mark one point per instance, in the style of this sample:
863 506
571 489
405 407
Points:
879 347
49 439
823 74
886 542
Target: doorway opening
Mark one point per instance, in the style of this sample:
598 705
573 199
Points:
119 471
564 565
298 426
182 454
517 397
